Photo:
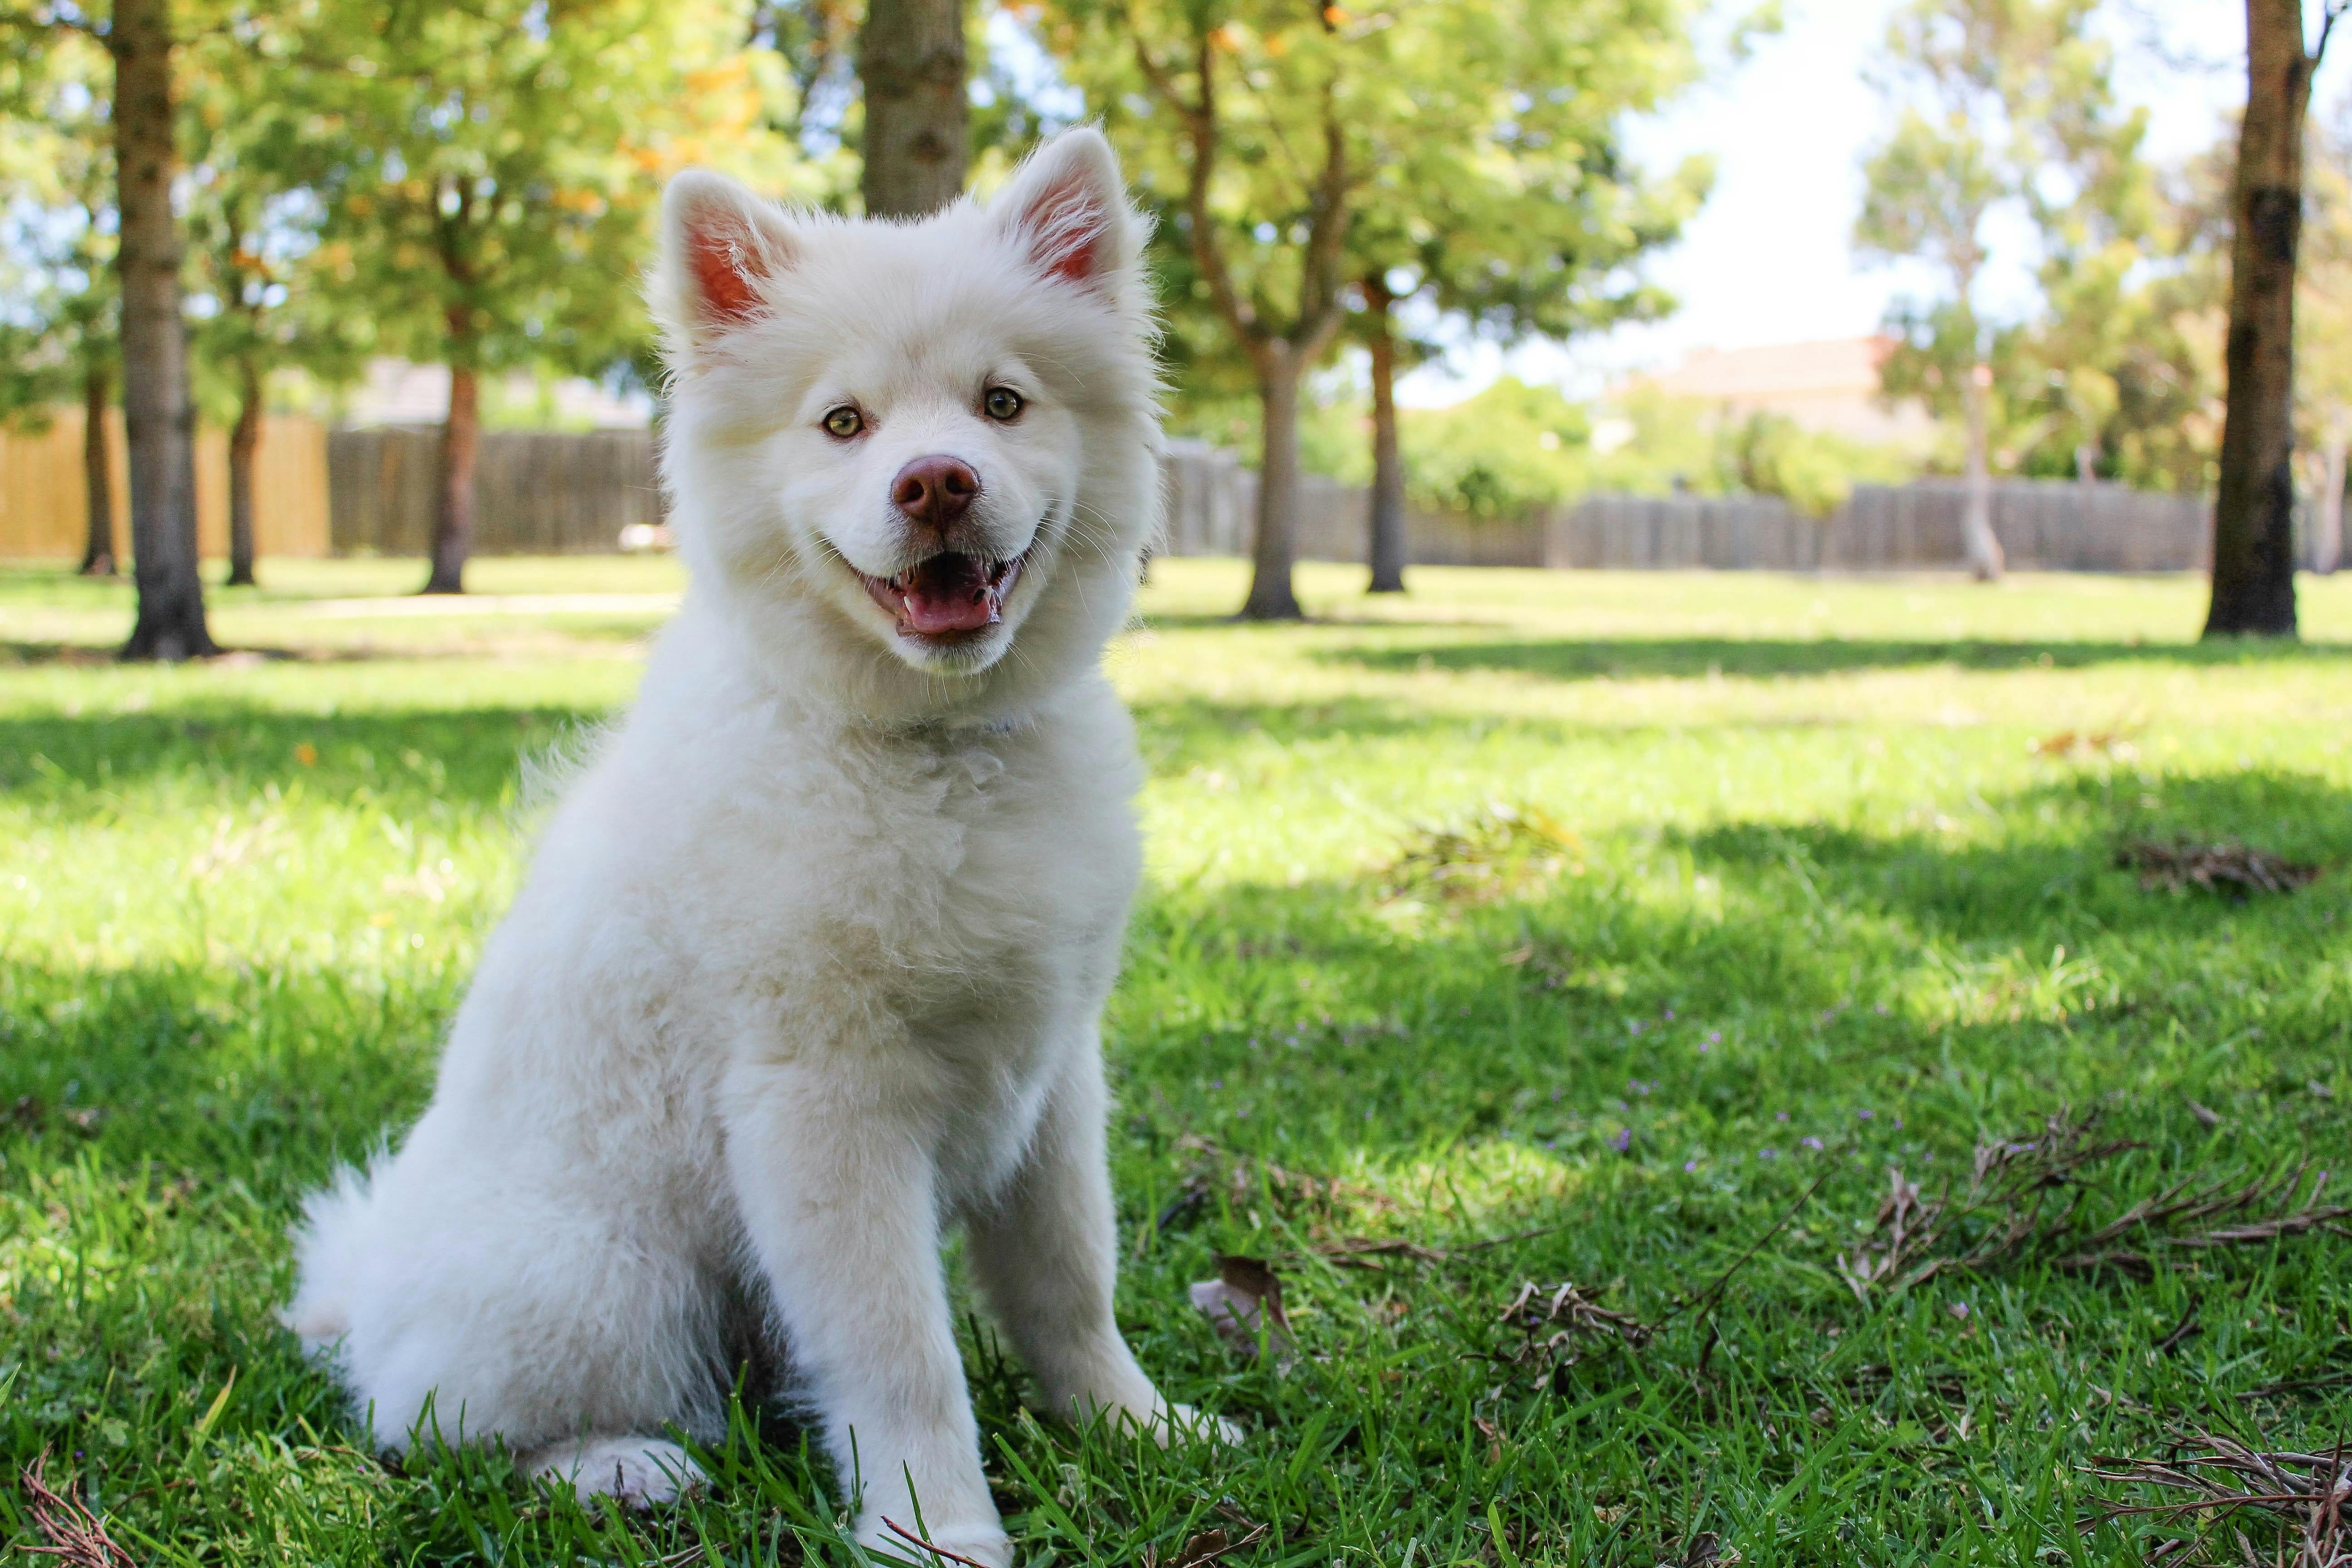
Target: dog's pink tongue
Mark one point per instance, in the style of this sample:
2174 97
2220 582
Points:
951 592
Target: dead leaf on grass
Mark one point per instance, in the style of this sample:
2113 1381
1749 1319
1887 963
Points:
1704 1550
2115 743
1204 1548
1243 1304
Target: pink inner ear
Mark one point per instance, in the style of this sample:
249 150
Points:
1068 232
719 253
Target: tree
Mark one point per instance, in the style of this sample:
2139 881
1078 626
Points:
1995 99
1929 187
159 412
2093 202
917 140
489 171
1501 194
265 302
58 343
1244 118
2253 510
2323 339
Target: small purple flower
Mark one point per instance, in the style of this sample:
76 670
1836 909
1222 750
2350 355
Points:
1670 1014
1779 1116
1768 1154
1636 1026
1714 1036
1621 1140
1705 1047
1898 1125
1810 1141
1866 1115
1689 1167
1216 1083
1555 1097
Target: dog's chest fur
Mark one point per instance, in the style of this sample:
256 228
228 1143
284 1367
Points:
940 909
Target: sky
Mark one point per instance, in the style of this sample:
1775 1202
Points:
1768 260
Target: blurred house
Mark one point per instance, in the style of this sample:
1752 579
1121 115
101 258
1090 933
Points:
1830 384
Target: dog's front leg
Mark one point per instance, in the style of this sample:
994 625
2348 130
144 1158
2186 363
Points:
1047 1254
834 1173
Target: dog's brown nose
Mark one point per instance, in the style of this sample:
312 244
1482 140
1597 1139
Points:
935 490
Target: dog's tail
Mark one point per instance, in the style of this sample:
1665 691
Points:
330 1242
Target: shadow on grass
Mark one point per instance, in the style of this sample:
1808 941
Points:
1680 657
465 754
1320 1025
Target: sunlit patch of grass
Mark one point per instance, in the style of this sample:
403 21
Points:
1792 888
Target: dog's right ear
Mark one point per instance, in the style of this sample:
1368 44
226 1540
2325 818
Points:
721 248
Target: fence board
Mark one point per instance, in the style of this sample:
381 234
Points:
44 494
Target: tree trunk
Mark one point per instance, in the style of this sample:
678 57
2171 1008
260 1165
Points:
2327 518
910 64
244 440
2254 512
1986 562
452 523
2086 463
1271 598
1388 466
98 475
158 414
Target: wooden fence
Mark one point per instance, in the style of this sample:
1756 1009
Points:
535 493
2043 526
372 491
44 492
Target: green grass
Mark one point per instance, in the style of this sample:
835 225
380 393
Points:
1820 888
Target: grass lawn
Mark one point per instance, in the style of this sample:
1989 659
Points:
1625 930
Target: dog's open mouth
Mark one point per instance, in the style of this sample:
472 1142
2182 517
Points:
948 596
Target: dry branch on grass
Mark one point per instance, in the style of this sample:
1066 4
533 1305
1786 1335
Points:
75 1537
1550 1320
2221 1485
2216 868
2024 1204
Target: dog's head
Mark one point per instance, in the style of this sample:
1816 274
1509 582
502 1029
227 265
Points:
904 448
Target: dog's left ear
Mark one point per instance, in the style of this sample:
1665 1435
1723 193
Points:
721 248
1066 209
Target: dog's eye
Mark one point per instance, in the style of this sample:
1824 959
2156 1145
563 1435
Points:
845 422
1002 403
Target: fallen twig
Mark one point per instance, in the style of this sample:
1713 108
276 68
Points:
942 1552
2308 1497
2022 1204
75 1535
1568 1311
2216 868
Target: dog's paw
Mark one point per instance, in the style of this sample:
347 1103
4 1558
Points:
983 1543
639 1471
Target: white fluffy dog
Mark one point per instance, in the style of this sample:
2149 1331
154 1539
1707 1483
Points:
810 960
